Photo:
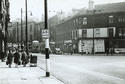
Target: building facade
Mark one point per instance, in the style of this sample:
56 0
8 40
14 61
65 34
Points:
4 20
17 35
99 30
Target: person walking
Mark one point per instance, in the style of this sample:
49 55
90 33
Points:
10 58
16 58
24 58
107 51
2 56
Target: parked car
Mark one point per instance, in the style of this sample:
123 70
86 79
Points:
58 51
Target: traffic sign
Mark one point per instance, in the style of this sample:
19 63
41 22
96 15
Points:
45 33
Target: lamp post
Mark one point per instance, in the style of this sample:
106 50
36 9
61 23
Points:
26 29
93 48
17 35
46 41
21 31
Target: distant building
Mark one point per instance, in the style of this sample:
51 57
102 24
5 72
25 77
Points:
4 19
34 32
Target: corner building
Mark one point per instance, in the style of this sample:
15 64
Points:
105 25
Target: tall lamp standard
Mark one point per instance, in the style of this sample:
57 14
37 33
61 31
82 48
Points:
21 31
93 47
17 35
26 28
46 41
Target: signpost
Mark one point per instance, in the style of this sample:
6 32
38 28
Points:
45 34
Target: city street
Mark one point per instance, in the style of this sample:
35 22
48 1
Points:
62 42
77 69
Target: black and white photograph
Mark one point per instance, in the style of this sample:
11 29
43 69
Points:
62 41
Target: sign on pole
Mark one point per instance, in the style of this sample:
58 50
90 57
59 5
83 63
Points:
45 33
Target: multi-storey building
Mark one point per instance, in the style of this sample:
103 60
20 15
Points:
17 35
99 29
4 19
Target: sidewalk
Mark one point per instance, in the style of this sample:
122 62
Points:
24 75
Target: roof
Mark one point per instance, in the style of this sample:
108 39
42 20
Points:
111 7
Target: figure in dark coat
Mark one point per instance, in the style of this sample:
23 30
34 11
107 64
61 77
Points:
16 58
2 56
10 58
24 58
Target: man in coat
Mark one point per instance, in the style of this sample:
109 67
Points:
24 58
10 58
16 58
2 56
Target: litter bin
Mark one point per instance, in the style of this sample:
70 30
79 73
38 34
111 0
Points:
33 61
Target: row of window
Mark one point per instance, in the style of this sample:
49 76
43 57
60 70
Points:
121 32
110 19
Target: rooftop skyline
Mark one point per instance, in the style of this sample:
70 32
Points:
37 7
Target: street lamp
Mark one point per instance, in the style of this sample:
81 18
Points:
26 29
21 32
17 35
22 27
46 41
93 48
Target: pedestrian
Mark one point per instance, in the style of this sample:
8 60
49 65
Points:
112 51
2 56
71 52
10 58
24 58
107 51
86 51
16 58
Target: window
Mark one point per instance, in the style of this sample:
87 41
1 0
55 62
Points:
97 32
30 28
120 32
76 21
31 38
123 31
84 33
110 19
84 21
121 19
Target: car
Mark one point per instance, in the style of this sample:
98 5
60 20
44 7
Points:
58 51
